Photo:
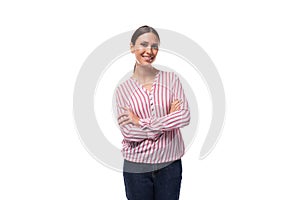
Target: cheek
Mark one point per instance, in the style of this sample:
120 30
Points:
138 52
154 53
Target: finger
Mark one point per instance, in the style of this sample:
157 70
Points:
176 100
179 101
177 104
177 107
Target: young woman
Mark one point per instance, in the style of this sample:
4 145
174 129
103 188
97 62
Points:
151 108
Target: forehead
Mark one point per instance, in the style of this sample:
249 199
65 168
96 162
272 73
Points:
148 37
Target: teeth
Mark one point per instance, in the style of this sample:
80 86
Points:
148 58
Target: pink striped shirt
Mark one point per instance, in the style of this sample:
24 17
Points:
158 139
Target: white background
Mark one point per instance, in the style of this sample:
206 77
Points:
254 45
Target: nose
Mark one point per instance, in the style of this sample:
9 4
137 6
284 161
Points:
149 50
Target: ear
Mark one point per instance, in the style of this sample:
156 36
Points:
131 47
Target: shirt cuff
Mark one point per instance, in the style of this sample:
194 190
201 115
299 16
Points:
144 123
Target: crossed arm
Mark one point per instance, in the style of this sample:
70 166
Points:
136 129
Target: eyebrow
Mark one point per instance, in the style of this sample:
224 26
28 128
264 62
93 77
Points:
148 43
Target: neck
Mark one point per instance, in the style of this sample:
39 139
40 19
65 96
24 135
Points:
144 72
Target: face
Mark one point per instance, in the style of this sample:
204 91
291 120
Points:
145 48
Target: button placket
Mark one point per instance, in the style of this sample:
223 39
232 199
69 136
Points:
152 105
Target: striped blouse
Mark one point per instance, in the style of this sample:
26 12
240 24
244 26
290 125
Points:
158 139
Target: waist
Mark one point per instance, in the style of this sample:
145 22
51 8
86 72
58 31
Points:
134 167
167 148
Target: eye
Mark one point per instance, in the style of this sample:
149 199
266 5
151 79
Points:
155 47
144 44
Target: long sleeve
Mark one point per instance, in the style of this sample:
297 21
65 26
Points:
158 139
129 131
177 119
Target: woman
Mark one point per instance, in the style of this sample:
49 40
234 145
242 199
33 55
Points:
151 108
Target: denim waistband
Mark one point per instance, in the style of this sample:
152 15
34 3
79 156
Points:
133 167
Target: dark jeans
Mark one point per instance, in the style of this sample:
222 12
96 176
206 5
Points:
160 183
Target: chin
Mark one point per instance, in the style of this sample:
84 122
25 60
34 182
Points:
143 62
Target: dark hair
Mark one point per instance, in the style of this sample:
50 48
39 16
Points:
140 31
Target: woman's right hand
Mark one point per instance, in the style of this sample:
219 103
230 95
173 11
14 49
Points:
128 117
175 105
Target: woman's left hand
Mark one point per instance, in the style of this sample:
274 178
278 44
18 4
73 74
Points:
128 118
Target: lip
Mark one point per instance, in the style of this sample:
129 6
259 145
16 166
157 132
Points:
148 58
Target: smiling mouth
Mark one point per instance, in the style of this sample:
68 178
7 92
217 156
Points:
148 58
